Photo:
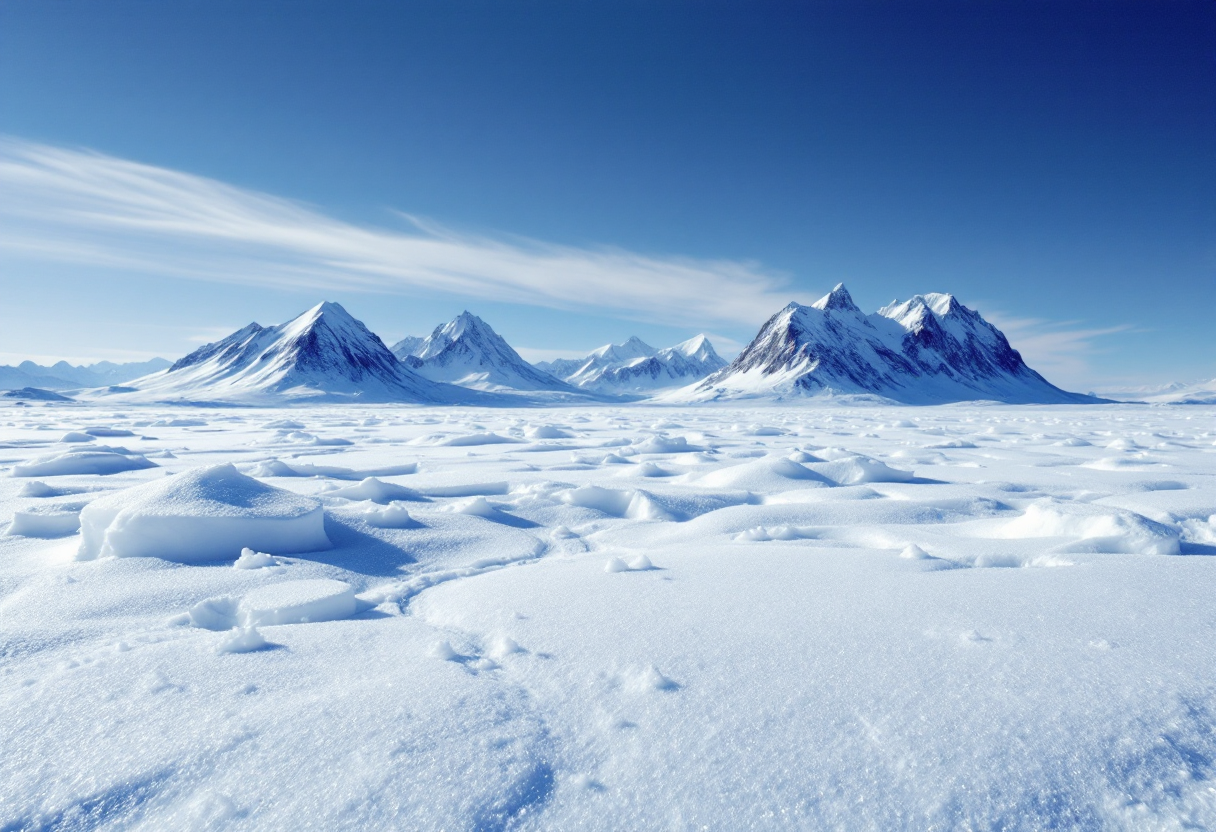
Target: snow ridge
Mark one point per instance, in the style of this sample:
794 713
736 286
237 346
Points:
925 350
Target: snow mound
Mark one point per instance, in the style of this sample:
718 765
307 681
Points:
547 432
242 640
661 444
201 515
1097 528
762 534
297 602
44 523
634 505
474 439
108 432
250 559
96 459
765 475
393 516
75 436
859 470
381 493
35 488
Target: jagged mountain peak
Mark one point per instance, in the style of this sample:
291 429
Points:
697 347
631 348
837 300
323 352
467 351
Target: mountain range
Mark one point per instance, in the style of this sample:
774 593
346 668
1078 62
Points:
635 367
65 376
323 354
927 350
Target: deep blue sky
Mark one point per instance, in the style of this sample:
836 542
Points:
1052 164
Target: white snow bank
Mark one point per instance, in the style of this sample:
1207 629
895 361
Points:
109 432
1099 528
201 515
44 523
75 436
287 602
297 602
765 475
241 640
34 488
546 432
474 439
393 516
859 470
378 492
97 459
661 444
634 505
760 534
250 559
278 468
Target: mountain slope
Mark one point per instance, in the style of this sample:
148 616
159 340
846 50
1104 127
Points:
466 351
322 354
407 346
929 349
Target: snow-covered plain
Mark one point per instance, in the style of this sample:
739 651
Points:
817 616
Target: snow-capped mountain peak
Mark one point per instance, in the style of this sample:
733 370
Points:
629 350
697 347
468 352
324 352
837 300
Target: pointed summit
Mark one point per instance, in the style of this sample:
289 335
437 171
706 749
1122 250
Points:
468 352
322 353
838 299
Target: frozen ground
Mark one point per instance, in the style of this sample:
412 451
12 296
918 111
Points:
811 617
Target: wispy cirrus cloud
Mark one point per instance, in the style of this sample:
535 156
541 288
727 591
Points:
1060 350
85 207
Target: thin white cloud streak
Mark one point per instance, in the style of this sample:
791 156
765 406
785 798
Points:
1057 349
84 207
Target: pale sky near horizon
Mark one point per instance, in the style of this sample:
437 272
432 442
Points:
579 173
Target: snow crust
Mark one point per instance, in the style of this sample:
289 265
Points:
743 616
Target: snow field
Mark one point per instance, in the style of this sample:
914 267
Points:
619 617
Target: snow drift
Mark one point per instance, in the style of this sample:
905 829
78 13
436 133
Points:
201 515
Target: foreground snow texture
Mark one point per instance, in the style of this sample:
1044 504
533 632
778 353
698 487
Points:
609 618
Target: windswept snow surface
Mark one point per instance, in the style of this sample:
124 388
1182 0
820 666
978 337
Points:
733 617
